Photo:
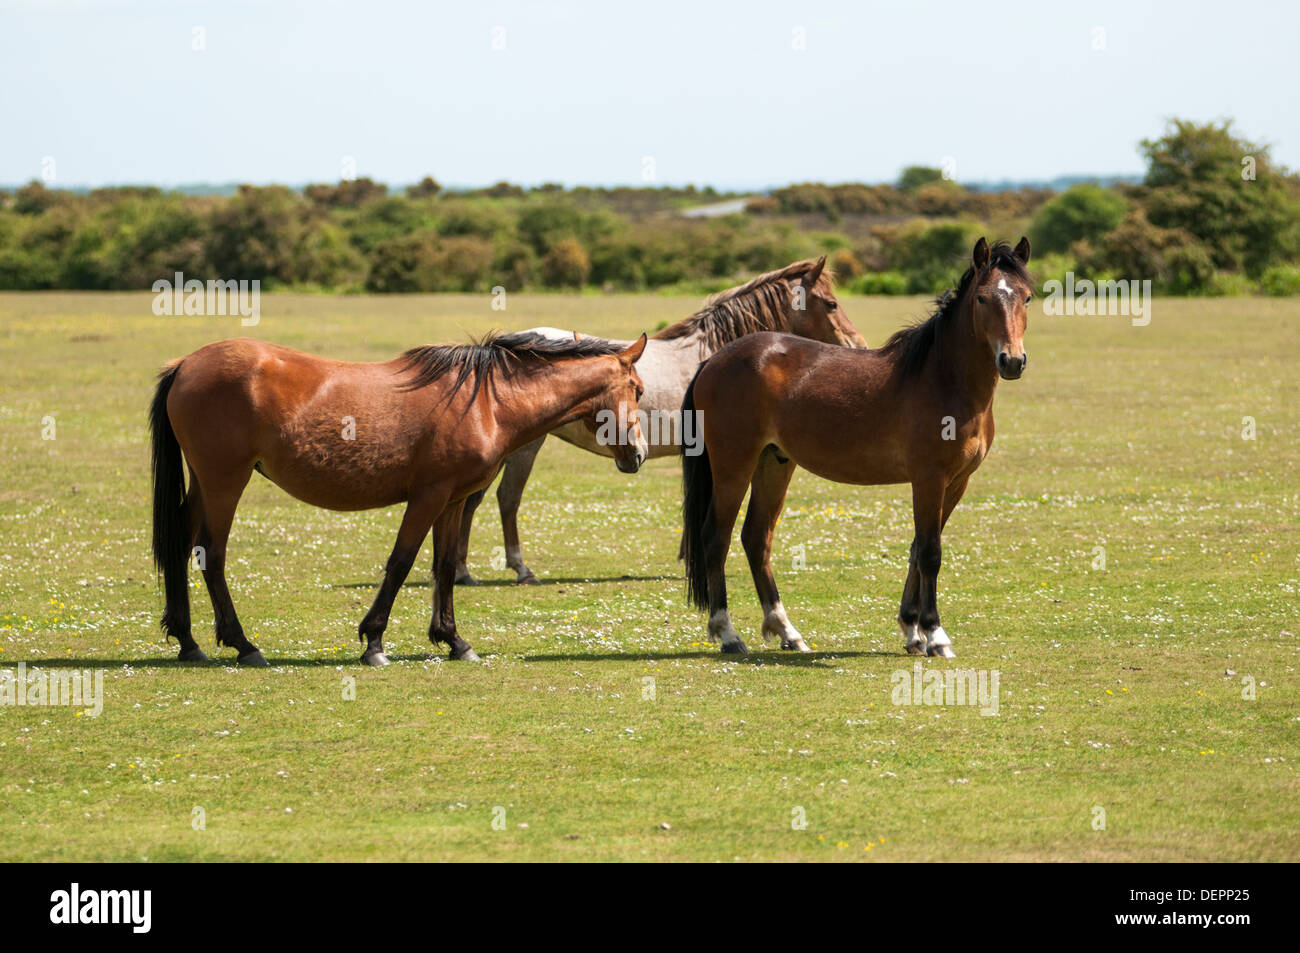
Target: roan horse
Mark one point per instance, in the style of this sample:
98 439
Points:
798 298
348 436
918 410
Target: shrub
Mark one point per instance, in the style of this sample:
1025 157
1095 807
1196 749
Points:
1195 183
933 256
425 188
1052 267
1226 284
845 265
881 283
915 176
1280 281
427 262
566 265
516 267
1081 213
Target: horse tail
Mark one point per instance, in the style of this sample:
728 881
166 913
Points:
697 508
171 522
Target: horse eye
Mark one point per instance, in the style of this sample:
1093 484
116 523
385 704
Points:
1029 299
832 305
982 299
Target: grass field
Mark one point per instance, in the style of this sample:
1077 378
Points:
1121 687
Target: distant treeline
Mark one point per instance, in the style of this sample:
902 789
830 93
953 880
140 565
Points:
1212 216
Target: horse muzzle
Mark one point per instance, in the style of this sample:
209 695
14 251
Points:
1011 368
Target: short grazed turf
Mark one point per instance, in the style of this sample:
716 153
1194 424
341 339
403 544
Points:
1124 560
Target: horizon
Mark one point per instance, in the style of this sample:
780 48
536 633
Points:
219 188
141 92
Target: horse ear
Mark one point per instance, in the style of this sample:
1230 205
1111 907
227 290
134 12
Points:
633 354
981 255
1022 250
812 274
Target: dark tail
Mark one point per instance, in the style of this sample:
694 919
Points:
697 510
171 524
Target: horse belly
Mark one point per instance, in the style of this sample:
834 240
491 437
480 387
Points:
862 469
337 473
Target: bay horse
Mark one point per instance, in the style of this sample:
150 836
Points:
918 410
426 429
798 298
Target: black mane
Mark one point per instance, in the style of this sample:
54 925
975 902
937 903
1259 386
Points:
914 344
493 354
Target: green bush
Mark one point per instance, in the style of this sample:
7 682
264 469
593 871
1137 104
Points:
1053 266
566 265
1281 281
880 283
1081 213
933 256
1227 284
426 261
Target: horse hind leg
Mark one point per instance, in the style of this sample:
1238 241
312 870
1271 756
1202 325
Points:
442 625
767 497
220 498
463 575
510 492
723 512
179 616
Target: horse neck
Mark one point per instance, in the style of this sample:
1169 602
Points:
543 397
963 361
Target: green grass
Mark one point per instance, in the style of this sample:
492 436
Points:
1113 684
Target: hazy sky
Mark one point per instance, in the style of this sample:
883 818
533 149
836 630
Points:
583 93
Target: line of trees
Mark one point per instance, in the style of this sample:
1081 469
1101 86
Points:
1213 215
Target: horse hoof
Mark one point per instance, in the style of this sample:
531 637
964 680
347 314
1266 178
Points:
528 579
465 579
799 646
192 655
377 659
254 660
469 655
734 648
914 641
939 645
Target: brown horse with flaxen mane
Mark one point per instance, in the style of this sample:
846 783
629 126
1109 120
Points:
918 410
349 436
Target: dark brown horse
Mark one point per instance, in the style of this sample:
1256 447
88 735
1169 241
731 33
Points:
918 410
357 436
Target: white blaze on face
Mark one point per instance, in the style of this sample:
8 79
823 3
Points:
1005 288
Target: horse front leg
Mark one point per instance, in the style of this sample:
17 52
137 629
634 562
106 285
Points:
442 627
909 609
919 610
410 537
